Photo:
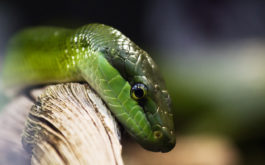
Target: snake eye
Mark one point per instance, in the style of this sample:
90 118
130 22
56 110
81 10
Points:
138 91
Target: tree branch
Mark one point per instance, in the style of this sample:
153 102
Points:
69 124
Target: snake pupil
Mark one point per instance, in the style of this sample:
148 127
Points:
139 93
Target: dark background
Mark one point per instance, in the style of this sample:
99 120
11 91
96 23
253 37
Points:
168 24
172 29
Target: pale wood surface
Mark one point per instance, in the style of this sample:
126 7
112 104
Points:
12 119
69 124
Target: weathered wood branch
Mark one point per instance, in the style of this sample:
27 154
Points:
12 119
69 124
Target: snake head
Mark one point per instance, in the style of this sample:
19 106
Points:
147 86
149 90
156 101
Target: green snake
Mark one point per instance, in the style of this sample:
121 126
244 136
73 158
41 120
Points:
124 75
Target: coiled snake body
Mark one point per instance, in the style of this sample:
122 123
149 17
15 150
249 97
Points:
124 75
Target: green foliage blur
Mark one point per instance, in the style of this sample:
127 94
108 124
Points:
221 91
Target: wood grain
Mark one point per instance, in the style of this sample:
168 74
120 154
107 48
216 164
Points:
69 124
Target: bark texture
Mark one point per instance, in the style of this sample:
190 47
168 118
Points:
69 124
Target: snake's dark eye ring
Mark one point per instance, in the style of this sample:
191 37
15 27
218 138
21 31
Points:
138 91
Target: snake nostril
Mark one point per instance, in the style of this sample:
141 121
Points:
157 134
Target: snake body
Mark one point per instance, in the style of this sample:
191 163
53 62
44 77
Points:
125 76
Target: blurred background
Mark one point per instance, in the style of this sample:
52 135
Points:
211 53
